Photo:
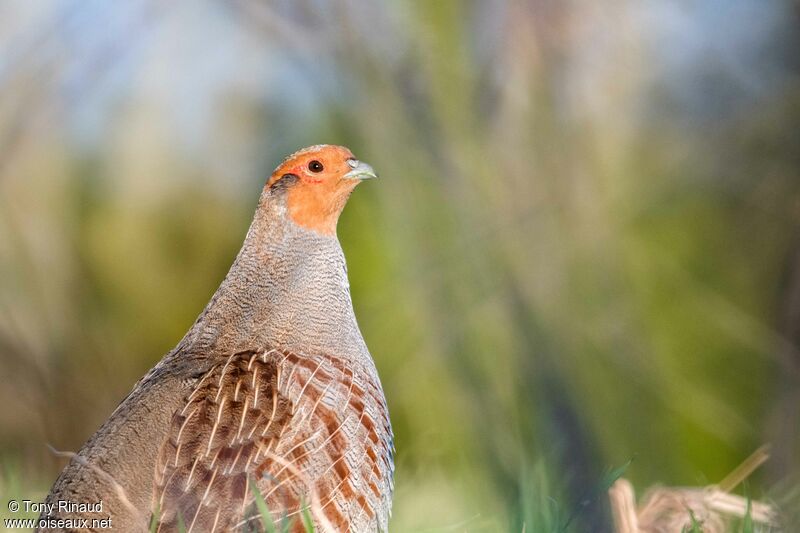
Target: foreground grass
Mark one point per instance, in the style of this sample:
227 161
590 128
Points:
541 512
15 486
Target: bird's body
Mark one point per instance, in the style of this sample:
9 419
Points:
273 387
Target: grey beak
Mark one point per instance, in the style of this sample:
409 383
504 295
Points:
361 171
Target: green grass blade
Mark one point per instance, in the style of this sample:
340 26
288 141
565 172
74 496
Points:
600 489
747 521
308 523
696 526
286 523
612 476
154 518
263 510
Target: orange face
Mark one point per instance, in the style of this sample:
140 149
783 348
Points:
318 182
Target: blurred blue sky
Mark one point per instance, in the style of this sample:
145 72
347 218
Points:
184 57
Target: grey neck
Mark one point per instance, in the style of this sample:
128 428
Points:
287 288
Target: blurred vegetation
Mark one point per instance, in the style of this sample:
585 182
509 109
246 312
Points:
584 248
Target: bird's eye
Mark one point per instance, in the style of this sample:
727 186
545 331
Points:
315 166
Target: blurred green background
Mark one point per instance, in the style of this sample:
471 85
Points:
584 247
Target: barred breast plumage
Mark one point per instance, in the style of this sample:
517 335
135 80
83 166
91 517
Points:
272 392
296 427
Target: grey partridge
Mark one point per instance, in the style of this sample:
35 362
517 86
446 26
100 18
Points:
272 391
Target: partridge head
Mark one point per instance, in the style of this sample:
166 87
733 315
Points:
318 181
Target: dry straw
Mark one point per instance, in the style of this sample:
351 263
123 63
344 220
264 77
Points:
672 509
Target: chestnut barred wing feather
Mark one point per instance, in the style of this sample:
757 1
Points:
307 430
232 417
338 445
